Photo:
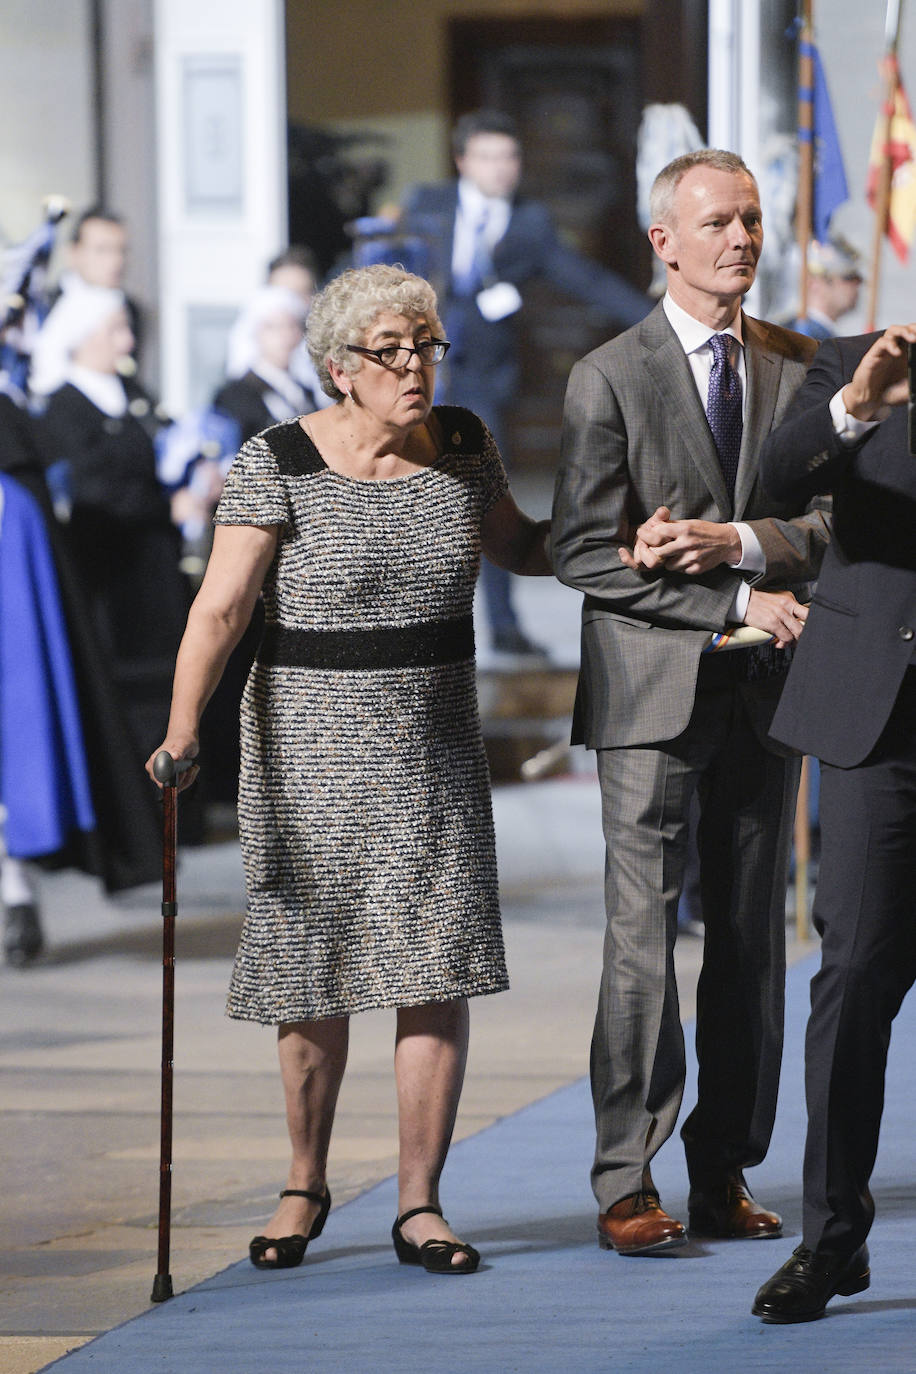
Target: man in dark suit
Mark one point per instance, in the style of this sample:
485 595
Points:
850 700
659 518
487 243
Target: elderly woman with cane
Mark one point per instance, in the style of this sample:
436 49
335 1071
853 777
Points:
364 805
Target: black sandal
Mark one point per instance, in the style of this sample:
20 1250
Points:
290 1249
435 1255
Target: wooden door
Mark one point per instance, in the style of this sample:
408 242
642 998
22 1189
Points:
576 88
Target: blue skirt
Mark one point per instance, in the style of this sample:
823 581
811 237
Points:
44 779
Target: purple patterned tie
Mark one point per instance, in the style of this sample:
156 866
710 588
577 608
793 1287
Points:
723 409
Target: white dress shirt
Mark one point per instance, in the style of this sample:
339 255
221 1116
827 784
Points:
694 337
473 205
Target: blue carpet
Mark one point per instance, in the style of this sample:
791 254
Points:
546 1299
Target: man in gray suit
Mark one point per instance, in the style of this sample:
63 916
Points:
659 519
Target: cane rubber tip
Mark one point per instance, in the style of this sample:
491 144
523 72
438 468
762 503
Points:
162 1288
163 766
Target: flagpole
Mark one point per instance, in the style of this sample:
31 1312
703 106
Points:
804 201
883 196
804 214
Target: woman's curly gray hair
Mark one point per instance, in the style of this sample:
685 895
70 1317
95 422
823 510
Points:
345 311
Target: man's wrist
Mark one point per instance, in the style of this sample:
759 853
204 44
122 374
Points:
750 556
857 406
849 427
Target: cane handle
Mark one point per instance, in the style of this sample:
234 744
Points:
166 769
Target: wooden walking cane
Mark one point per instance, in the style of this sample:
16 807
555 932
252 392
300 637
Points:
166 771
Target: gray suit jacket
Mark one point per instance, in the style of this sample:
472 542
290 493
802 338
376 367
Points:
635 437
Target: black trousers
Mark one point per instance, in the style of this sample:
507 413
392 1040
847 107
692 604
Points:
865 911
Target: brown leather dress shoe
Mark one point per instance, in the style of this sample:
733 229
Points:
637 1225
729 1212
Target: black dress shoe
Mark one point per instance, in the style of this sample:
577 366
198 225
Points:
802 1288
22 937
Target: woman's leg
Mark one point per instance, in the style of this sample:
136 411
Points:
430 1055
313 1055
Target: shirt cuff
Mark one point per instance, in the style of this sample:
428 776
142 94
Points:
847 427
739 605
752 559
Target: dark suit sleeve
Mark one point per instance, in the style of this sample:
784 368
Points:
429 211
605 291
803 457
416 200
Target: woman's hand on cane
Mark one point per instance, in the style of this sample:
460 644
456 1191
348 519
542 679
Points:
183 750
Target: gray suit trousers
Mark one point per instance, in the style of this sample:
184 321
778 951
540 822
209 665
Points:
746 796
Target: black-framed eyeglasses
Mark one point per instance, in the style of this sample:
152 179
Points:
394 356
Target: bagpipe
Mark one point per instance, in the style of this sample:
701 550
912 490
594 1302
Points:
24 295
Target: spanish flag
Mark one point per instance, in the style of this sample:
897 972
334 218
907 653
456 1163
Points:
895 123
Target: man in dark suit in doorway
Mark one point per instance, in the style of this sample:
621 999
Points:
662 431
488 243
850 700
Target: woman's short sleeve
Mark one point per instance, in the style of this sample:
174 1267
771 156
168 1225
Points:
254 492
494 480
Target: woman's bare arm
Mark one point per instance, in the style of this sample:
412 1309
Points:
221 611
514 541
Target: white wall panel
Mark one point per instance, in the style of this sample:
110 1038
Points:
221 119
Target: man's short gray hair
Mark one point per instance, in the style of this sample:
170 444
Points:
664 187
345 311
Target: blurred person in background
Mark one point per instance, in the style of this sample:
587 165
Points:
834 281
45 798
96 437
98 257
68 785
296 270
268 333
488 244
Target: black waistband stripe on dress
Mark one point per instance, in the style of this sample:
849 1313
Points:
425 644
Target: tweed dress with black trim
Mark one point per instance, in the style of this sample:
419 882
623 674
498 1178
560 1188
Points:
364 798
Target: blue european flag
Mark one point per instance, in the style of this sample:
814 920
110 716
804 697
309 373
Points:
830 188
